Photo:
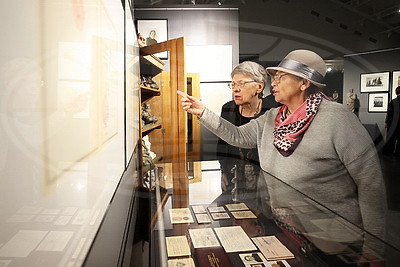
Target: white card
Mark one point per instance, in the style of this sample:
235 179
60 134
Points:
203 238
234 239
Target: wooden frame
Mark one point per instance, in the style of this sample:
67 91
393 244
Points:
154 31
374 82
378 102
395 82
175 127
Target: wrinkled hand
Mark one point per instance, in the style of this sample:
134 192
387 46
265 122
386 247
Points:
191 104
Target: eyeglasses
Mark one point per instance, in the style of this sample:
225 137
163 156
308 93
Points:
277 78
239 85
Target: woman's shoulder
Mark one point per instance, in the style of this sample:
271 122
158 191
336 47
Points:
328 105
337 112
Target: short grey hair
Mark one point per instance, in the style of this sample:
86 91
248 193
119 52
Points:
252 69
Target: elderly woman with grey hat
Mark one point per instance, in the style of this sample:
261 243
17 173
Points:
311 143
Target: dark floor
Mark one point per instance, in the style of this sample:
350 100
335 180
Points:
391 172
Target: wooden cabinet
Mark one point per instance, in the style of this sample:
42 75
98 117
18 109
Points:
168 136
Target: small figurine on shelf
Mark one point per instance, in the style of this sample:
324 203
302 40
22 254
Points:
147 117
148 155
148 82
153 84
144 82
141 40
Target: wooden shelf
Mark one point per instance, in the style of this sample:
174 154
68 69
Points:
151 65
150 127
148 92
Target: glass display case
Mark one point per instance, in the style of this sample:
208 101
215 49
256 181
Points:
249 227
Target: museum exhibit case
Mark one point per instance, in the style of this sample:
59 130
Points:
229 228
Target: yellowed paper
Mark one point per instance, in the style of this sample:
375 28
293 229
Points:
177 246
272 248
198 209
216 209
236 206
202 218
185 262
245 214
182 215
220 216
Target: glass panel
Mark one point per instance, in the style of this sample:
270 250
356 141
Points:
62 127
310 229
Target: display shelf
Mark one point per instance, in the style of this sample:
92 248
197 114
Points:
150 127
148 92
150 64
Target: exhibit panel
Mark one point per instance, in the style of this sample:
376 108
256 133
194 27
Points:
278 224
62 128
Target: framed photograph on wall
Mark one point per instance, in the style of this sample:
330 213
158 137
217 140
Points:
395 82
374 82
378 102
154 31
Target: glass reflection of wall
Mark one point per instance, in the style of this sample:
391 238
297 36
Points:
61 123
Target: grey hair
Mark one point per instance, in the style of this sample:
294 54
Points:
252 69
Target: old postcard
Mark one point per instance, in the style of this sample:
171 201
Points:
203 238
184 262
177 246
272 248
234 239
202 218
220 216
216 209
244 214
236 206
182 215
198 209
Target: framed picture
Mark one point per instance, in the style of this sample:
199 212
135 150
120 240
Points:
374 82
378 102
154 31
395 82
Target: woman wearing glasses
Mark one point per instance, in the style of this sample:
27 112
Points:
248 82
314 145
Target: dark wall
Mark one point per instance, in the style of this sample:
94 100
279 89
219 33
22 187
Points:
369 62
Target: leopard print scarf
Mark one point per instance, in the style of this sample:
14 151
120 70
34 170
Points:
290 128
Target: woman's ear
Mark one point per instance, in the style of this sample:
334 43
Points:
260 87
304 84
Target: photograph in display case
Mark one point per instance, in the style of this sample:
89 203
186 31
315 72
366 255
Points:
154 31
374 82
395 82
378 102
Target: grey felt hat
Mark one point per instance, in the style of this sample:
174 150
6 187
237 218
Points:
303 63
